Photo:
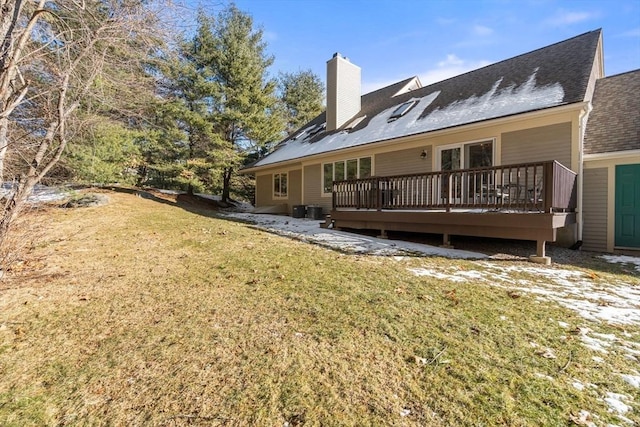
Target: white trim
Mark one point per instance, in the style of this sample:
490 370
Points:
357 159
273 190
430 134
462 145
611 155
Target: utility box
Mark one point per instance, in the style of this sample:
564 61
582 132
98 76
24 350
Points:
299 211
314 212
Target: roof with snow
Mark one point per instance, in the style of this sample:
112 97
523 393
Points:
614 123
548 77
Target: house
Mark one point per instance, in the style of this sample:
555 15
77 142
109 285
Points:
611 166
495 152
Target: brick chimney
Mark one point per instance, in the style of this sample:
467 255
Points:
343 91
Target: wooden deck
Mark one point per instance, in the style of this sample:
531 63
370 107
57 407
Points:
526 201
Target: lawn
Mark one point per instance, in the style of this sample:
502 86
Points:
147 312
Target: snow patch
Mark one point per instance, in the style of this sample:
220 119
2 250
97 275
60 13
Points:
309 231
632 380
616 404
41 193
615 303
623 259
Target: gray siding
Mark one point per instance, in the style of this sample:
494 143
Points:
313 188
594 207
403 162
551 142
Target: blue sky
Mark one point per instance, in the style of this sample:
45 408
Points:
434 39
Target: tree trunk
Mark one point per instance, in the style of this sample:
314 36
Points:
4 144
15 204
226 184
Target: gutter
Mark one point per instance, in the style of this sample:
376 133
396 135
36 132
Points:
429 134
584 115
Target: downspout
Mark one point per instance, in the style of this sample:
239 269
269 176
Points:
584 115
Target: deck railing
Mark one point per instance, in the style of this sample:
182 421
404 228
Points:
539 187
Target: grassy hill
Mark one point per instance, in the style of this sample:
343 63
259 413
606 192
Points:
149 312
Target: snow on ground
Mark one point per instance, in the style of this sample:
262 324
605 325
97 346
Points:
623 259
41 193
597 299
593 299
310 231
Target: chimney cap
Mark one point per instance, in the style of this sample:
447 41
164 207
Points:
339 55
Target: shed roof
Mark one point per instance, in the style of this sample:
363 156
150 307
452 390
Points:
614 122
548 77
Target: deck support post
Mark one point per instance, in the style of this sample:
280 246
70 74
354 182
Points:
446 242
540 257
383 234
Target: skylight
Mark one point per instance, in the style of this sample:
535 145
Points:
402 110
317 129
355 122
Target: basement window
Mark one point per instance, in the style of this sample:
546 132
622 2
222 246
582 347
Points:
402 110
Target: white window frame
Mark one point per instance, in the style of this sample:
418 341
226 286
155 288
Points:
273 185
462 145
344 162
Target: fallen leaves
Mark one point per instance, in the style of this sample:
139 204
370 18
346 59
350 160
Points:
451 296
583 418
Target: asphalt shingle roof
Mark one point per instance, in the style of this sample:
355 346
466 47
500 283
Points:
614 122
548 77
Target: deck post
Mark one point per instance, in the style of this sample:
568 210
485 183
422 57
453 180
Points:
446 242
540 257
383 234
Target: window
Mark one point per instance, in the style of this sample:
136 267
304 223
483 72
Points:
317 129
352 169
344 169
355 122
365 167
466 156
327 178
279 185
402 110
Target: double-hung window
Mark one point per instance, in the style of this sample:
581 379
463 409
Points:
280 185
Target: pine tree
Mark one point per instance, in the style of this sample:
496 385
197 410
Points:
302 94
185 136
245 113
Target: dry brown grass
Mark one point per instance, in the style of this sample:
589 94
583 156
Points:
142 312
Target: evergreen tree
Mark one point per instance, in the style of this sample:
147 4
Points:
106 154
179 153
302 94
245 113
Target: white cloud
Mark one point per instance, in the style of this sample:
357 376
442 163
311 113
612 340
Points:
449 67
379 84
566 17
451 61
481 30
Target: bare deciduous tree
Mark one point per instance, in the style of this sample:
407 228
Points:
57 60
